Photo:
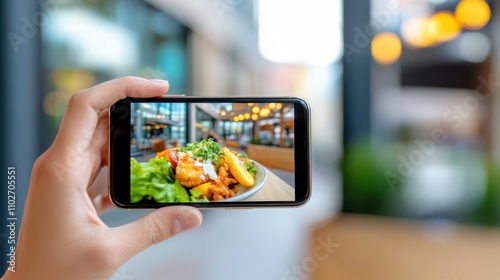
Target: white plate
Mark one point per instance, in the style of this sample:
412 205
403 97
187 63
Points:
246 192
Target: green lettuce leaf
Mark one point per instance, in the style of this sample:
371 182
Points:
197 196
155 180
175 193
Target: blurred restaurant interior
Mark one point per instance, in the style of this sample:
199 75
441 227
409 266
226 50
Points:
404 97
172 125
263 132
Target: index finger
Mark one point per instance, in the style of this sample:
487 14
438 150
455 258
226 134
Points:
82 114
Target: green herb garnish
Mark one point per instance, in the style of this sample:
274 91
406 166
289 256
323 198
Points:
206 149
250 168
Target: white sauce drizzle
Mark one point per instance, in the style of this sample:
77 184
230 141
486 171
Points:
208 169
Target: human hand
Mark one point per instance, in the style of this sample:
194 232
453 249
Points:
62 236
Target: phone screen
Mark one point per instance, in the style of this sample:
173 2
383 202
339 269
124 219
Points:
214 152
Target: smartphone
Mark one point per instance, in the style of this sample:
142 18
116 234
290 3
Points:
210 152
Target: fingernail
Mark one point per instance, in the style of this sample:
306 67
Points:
159 81
186 220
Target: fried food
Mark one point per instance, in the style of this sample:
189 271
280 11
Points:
208 171
188 173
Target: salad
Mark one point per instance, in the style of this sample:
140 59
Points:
199 172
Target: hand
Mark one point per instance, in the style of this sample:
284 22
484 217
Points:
62 236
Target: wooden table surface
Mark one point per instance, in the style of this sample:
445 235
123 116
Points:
274 189
376 248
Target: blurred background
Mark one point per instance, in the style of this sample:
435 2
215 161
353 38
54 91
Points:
404 97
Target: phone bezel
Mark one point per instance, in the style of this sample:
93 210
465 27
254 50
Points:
119 151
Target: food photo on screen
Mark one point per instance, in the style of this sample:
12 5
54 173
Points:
211 152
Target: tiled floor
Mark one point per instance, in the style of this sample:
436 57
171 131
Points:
236 244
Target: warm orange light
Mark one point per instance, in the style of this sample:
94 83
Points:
386 48
247 116
272 105
236 119
223 113
265 112
255 109
255 117
443 27
415 33
279 106
473 14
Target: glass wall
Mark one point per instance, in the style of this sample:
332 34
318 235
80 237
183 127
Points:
157 126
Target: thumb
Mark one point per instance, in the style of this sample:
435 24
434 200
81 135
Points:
155 227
